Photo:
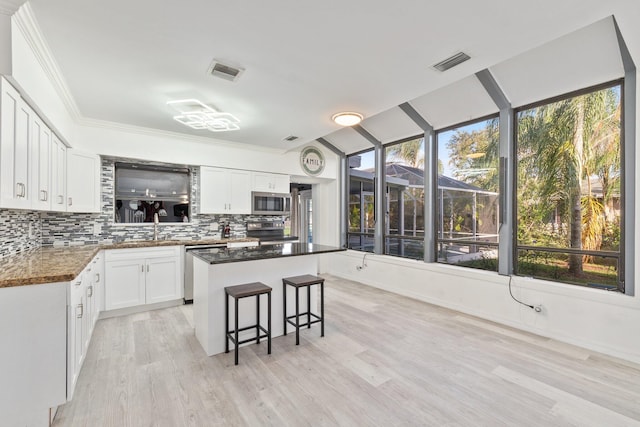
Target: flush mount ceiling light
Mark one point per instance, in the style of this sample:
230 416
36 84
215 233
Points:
197 115
348 118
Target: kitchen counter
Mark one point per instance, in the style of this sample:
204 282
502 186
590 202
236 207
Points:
50 264
225 255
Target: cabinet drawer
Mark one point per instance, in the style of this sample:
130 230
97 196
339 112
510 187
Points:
127 254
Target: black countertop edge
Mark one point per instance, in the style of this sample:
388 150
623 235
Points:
228 255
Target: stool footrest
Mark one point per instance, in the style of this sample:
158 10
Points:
305 323
304 314
230 334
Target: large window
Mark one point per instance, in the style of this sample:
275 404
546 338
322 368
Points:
361 214
568 203
467 195
404 226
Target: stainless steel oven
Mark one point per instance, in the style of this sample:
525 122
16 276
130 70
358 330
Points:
270 203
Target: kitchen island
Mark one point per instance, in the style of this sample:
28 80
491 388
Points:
216 268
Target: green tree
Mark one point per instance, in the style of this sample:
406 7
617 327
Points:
561 146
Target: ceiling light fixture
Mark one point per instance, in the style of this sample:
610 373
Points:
347 118
197 115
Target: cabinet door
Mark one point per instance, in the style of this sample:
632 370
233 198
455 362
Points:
89 309
97 272
58 174
40 165
262 182
15 119
240 192
163 280
125 283
270 182
76 333
214 190
83 182
280 183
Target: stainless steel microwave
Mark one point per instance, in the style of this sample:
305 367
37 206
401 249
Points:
270 203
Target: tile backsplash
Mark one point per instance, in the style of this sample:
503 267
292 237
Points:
19 231
71 228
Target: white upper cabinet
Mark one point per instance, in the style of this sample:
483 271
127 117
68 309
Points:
225 191
32 157
58 175
15 167
83 182
41 165
270 182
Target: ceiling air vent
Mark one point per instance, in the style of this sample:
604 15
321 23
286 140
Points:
451 62
290 138
227 72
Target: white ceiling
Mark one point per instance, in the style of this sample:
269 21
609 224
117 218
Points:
123 60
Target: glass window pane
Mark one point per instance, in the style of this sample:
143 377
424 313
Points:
361 201
404 169
478 256
468 173
568 183
600 272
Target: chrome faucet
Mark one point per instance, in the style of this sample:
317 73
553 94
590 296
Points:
156 221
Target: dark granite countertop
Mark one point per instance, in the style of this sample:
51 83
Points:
226 255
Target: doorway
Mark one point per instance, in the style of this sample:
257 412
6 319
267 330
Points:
302 212
305 231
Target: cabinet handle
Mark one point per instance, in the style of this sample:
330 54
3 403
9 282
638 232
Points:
97 277
70 202
79 282
46 195
81 307
147 268
90 291
21 189
43 196
142 268
60 199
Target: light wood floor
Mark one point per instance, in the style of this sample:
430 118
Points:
385 360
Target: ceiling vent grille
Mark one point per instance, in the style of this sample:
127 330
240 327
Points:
224 71
452 61
290 138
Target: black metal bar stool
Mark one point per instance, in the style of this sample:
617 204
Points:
243 291
298 282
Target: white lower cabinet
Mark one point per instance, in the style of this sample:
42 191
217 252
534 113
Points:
83 308
142 276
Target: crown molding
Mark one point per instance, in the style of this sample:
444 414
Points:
140 130
29 28
9 7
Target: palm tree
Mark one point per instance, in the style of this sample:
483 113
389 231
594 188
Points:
563 144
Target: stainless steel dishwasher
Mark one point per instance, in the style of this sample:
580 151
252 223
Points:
188 269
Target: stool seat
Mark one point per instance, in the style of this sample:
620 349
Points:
247 290
237 292
304 280
297 282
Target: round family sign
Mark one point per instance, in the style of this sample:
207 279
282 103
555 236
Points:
312 161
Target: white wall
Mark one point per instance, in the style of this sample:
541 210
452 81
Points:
602 321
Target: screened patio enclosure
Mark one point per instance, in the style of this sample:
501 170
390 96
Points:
466 214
